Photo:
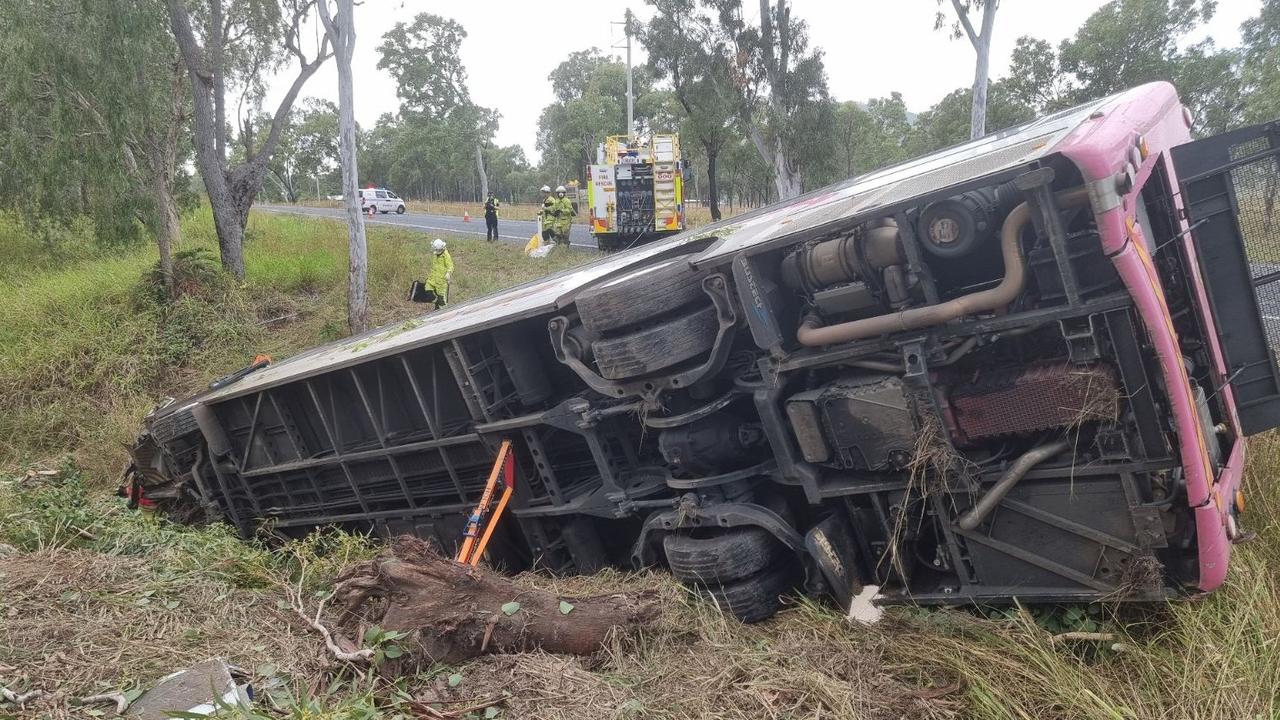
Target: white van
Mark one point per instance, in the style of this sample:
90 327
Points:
382 200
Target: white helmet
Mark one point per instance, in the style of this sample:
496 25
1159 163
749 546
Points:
437 245
559 188
546 189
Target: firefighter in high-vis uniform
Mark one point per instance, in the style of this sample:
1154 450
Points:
564 216
441 274
548 215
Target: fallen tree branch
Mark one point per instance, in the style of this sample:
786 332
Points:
452 612
458 712
313 622
1080 635
122 702
21 699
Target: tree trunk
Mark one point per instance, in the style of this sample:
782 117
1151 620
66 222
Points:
167 228
981 74
713 184
217 73
786 179
484 179
342 33
981 41
231 190
454 612
208 143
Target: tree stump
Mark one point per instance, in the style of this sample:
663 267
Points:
454 612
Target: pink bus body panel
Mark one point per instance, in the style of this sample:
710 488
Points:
1100 148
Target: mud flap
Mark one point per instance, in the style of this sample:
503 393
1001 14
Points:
1231 192
830 544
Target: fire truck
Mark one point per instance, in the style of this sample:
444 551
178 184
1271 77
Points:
635 191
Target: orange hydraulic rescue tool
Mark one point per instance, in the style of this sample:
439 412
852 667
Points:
505 466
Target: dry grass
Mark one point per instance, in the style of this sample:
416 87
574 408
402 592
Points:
1208 659
128 600
83 622
98 598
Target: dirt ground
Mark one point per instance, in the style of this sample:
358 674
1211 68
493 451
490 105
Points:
78 622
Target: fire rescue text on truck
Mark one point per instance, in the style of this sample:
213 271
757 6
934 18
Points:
635 191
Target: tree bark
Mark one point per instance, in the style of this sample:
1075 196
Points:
342 34
981 73
454 612
163 162
981 41
167 229
217 54
208 142
484 179
713 184
786 179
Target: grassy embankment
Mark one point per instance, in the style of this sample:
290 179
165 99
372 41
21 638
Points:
99 598
86 348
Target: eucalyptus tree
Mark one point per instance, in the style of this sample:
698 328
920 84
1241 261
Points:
233 46
94 115
340 28
779 81
980 38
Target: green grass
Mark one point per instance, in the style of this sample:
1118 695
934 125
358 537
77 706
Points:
98 597
86 351
1211 658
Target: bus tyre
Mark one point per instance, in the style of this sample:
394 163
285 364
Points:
640 296
751 599
657 347
727 556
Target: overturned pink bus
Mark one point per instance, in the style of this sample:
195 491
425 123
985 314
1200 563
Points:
1020 368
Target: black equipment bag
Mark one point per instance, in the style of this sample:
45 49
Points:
420 293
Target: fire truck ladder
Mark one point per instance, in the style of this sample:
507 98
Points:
474 539
666 205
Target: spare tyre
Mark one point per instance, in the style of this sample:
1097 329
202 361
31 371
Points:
660 346
724 557
640 295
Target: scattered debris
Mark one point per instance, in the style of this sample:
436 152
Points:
313 622
120 699
20 698
453 612
1081 635
198 690
863 608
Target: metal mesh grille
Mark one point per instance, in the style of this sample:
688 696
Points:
1257 189
1015 401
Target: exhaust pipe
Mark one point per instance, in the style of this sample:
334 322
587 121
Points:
813 334
1018 470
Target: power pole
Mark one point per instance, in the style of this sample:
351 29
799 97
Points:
631 123
627 20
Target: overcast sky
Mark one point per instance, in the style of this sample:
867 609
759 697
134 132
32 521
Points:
871 48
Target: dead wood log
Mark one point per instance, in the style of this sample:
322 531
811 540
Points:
453 612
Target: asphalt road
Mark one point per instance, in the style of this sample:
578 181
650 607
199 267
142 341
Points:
509 230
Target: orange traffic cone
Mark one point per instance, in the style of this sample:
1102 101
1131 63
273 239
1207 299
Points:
466 216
